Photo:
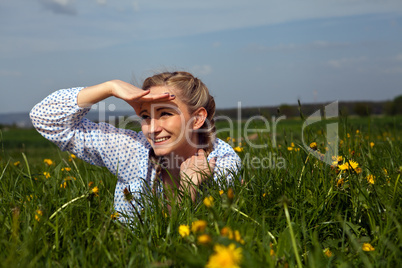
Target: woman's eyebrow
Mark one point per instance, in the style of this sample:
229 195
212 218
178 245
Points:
170 107
143 111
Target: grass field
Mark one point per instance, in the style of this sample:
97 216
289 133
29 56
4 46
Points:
291 210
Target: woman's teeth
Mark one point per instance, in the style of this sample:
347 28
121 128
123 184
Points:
161 139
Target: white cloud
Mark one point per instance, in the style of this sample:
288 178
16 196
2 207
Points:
287 47
101 2
66 7
394 70
136 6
346 62
216 44
201 69
8 73
172 18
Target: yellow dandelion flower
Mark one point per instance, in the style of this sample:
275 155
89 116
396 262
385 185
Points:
48 162
370 178
272 251
95 191
340 182
348 135
238 149
90 183
209 201
227 232
372 144
46 174
264 194
237 237
63 185
72 156
292 144
349 165
204 239
225 257
357 131
313 145
328 252
66 169
38 214
17 163
221 192
198 226
290 148
367 247
337 160
114 216
184 230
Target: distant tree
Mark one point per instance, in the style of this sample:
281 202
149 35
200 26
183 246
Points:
362 109
344 111
394 107
389 108
398 104
287 110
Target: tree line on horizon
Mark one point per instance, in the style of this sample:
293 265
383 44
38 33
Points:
346 108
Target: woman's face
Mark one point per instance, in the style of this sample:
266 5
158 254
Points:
167 125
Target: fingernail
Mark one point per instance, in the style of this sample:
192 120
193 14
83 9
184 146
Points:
172 95
166 93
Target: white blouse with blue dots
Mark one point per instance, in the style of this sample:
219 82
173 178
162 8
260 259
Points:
124 152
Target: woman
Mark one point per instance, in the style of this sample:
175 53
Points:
176 148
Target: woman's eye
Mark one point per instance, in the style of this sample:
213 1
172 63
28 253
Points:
144 117
165 114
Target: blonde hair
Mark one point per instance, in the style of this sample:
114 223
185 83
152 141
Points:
193 92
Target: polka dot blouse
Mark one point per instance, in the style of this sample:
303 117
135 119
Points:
124 152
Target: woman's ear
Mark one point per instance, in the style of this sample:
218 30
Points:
200 115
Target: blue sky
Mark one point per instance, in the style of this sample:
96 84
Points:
254 52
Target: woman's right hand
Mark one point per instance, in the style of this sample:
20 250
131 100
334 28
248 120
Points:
119 89
134 95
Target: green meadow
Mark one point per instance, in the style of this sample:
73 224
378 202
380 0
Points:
286 208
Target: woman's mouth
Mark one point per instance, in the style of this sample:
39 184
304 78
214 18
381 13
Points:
160 140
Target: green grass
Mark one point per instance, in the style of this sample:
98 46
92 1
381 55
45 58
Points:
285 215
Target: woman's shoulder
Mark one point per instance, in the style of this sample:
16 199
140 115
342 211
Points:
221 148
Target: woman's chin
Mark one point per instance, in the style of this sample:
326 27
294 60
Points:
162 152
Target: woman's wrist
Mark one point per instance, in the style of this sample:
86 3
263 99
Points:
94 94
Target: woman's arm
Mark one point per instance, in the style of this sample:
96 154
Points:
119 89
60 119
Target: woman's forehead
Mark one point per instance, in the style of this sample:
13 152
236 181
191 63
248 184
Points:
162 89
155 106
175 104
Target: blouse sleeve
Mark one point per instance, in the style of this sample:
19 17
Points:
228 162
59 119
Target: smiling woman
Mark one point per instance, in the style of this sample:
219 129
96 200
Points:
176 148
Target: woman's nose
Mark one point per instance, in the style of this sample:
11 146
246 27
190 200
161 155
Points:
155 126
